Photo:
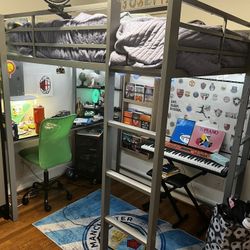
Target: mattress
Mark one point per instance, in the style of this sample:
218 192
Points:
140 43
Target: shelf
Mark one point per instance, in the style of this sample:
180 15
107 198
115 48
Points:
137 154
143 104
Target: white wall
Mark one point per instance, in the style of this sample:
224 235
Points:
61 100
31 5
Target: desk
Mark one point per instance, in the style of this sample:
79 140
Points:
31 135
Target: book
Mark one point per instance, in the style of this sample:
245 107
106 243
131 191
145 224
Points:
149 94
167 171
183 131
205 138
139 93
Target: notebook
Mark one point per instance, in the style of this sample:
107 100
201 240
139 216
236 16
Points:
183 131
205 138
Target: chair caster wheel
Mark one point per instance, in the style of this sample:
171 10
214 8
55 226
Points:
69 196
25 201
47 207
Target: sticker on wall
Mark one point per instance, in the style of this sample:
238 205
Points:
236 101
11 68
223 87
234 89
45 87
172 124
191 83
212 87
226 126
203 85
172 88
204 96
231 115
180 93
215 97
218 112
226 99
187 93
202 111
195 94
180 80
189 108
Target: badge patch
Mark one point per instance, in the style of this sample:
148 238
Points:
180 93
226 99
234 89
187 93
212 87
218 112
236 101
215 97
203 85
204 96
191 83
195 94
226 126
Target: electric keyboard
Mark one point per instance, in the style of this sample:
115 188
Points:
190 156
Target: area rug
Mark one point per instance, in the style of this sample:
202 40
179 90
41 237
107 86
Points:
77 226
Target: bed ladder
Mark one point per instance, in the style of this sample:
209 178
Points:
111 129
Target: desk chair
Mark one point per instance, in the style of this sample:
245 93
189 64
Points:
53 149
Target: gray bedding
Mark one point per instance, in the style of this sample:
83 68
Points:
66 37
140 42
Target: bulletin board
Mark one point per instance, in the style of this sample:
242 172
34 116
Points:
211 100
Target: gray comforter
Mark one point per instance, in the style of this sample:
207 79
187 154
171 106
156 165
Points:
66 37
140 43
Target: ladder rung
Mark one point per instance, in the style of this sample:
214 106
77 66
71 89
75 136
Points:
132 129
129 182
126 229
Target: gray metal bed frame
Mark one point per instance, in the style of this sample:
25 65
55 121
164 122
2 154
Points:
168 71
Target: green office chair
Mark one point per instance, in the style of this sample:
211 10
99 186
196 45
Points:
53 149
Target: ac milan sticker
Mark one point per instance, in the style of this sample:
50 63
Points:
45 85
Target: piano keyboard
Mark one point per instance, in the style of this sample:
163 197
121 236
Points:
193 157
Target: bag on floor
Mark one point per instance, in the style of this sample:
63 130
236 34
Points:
225 233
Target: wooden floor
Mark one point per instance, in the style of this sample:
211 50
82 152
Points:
22 235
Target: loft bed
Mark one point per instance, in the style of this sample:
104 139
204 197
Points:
168 70
202 49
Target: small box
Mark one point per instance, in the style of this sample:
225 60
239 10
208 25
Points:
139 93
145 121
136 121
127 117
130 91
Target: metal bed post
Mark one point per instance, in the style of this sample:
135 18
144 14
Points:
168 66
113 22
11 171
231 179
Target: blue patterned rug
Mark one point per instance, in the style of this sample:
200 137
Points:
77 226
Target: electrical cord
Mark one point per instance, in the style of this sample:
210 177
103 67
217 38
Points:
39 178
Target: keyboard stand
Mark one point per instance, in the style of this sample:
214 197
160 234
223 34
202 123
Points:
179 181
